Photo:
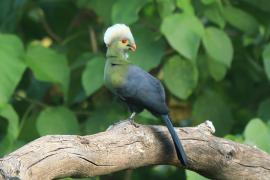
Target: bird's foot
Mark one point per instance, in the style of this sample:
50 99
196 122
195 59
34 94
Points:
131 120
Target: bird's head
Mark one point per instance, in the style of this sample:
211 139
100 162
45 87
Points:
119 37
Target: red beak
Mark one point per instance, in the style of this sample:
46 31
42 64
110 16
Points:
133 47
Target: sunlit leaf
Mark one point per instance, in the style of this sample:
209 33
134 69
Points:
236 138
186 6
92 78
166 8
241 19
218 46
184 33
121 13
11 116
48 65
149 49
180 76
257 133
11 66
217 70
194 176
214 14
57 120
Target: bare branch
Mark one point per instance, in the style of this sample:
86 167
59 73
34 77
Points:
124 146
93 40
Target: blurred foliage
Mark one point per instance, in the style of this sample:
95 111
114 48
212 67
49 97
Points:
212 55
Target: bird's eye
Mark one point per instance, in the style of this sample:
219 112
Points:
124 41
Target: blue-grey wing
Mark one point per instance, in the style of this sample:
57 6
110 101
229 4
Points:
143 89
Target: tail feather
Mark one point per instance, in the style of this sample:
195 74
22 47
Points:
177 144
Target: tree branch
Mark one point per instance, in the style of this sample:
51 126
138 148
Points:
124 146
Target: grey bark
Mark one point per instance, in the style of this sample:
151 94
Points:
124 146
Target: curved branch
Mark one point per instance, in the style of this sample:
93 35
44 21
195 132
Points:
124 146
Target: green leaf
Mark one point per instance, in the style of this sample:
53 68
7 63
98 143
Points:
92 77
11 116
149 49
165 8
211 106
194 176
48 65
121 13
266 60
241 20
180 76
257 133
261 4
103 116
217 70
186 6
213 13
218 46
184 33
103 8
57 120
11 66
263 110
12 45
235 138
208 1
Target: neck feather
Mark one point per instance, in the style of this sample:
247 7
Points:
117 56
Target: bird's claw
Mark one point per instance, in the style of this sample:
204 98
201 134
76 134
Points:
131 120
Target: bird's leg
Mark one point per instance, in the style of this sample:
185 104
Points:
131 118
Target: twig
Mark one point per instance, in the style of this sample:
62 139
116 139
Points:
93 40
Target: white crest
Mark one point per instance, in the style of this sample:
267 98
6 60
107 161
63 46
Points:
117 31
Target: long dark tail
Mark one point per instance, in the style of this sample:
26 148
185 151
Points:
177 144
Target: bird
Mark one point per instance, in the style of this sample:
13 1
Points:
134 86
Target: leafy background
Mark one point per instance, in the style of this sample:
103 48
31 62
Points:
213 56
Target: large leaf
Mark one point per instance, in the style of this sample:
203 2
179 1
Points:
241 19
217 70
183 33
149 49
213 12
92 78
218 45
257 133
11 66
194 176
48 65
57 120
180 76
12 45
266 60
11 116
103 8
186 6
211 106
165 8
121 13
